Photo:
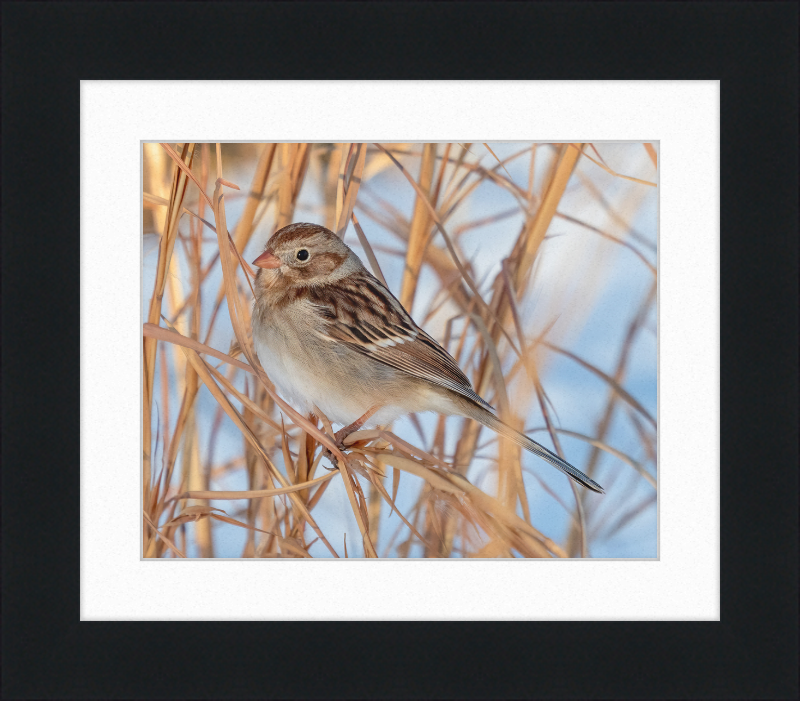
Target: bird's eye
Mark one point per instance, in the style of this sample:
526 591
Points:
302 254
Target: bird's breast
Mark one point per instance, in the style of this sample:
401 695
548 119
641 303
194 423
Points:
307 371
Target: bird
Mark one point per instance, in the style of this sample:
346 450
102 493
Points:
335 341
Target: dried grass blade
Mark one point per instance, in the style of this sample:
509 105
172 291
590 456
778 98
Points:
147 198
499 162
175 157
612 451
626 518
344 160
395 485
255 493
166 540
613 172
602 233
286 187
373 261
382 491
508 517
234 522
291 470
166 247
412 450
535 231
652 153
244 399
350 189
244 226
460 486
162 334
420 225
189 396
445 159
198 513
618 389
347 477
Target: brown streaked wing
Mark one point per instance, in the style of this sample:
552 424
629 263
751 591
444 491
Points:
366 316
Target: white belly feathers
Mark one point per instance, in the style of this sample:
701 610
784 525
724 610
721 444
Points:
312 378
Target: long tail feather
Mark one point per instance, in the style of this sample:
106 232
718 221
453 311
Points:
491 421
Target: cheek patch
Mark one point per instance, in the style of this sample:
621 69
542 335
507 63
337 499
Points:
322 264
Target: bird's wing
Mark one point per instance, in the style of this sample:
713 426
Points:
363 314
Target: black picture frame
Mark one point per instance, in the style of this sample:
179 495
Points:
752 48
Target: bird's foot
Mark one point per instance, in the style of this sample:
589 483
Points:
343 433
327 453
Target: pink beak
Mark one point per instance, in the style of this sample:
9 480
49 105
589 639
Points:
267 260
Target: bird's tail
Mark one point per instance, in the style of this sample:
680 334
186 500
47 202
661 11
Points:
491 421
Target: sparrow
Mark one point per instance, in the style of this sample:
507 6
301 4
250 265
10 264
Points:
335 340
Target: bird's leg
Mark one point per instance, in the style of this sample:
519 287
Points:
343 433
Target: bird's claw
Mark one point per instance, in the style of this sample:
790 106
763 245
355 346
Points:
327 453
